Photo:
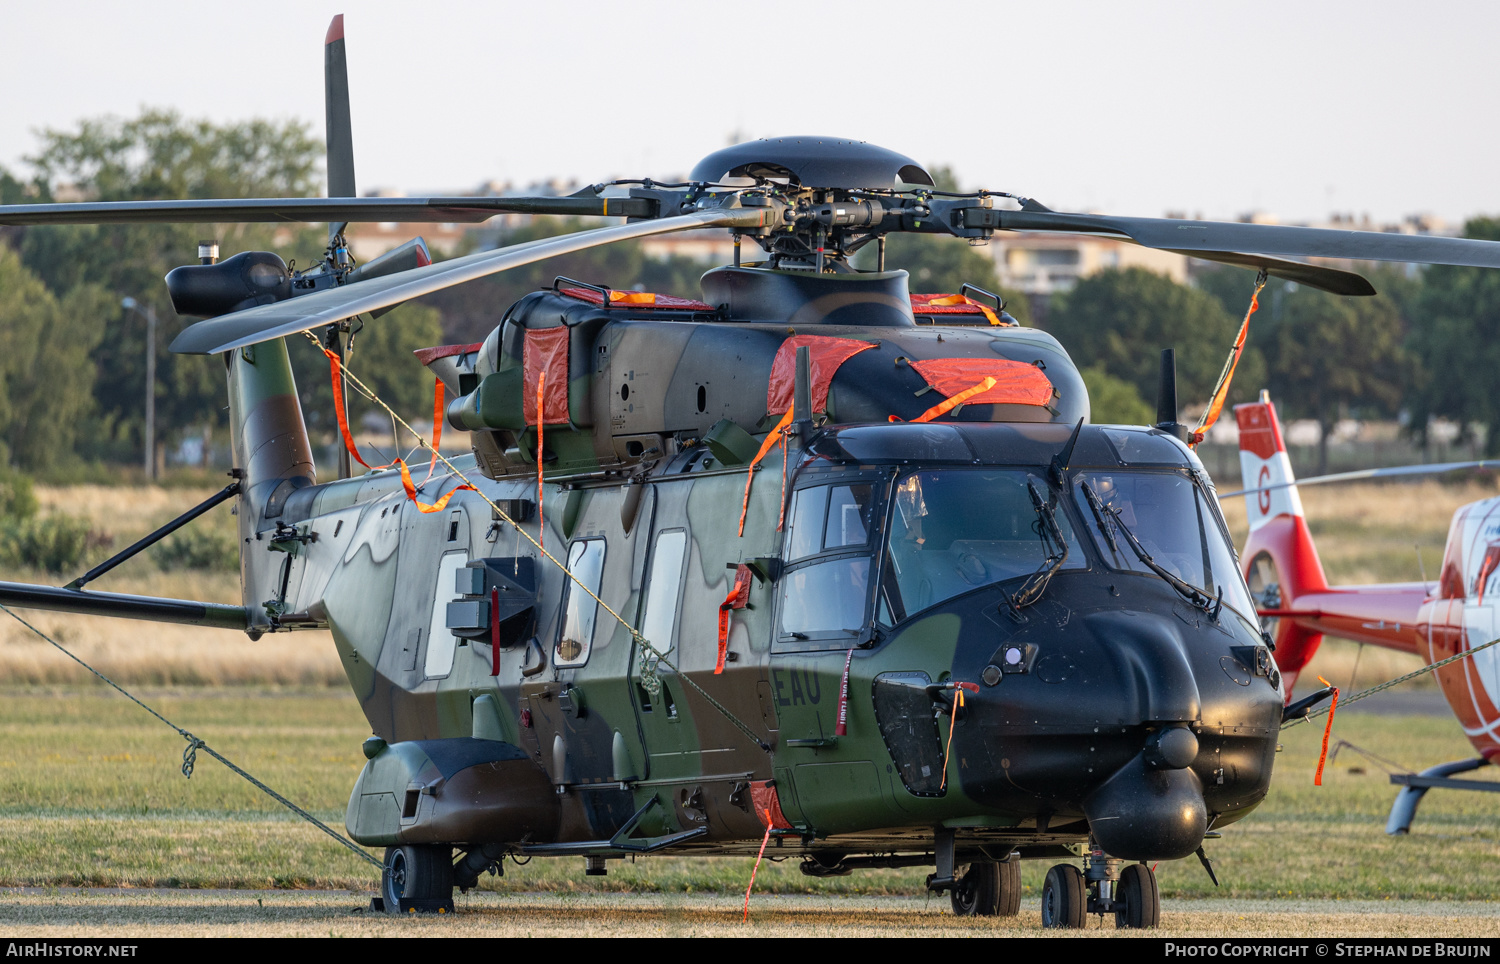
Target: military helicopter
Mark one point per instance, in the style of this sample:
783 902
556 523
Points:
812 560
1432 620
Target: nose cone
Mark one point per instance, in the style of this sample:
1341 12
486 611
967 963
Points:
1147 813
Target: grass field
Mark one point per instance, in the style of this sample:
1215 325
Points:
93 796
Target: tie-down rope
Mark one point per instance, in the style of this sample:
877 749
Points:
190 753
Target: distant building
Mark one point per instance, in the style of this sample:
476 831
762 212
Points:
1041 264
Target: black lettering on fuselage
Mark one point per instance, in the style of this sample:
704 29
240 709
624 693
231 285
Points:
798 696
814 687
776 679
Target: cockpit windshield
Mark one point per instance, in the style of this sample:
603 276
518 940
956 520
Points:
955 530
1168 513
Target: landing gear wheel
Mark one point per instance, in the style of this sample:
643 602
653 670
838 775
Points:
977 893
1009 904
1139 899
416 873
1064 901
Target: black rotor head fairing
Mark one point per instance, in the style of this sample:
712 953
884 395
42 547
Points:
814 162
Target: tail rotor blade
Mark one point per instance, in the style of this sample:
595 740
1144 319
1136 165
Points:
340 136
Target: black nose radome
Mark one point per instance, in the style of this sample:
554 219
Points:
1146 814
1171 748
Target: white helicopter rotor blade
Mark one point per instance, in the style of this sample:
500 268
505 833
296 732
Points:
1436 468
241 328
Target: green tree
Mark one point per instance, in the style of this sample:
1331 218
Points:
1333 356
1119 320
45 367
1328 356
1455 342
159 155
1114 400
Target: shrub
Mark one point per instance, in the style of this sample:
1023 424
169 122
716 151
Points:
17 501
197 549
55 543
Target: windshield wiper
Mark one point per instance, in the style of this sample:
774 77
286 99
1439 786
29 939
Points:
1036 583
1191 593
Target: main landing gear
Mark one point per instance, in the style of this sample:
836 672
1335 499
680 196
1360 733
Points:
1104 886
988 890
417 879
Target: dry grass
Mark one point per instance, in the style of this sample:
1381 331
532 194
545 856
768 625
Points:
1373 532
124 914
153 653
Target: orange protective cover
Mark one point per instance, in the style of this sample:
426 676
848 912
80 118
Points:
1016 383
546 350
827 354
763 798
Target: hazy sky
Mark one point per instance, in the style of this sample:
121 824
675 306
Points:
1295 108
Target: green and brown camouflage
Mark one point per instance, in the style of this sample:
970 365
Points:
584 742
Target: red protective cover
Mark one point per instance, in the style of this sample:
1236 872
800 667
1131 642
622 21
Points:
1016 383
546 350
827 355
738 598
429 355
637 299
763 797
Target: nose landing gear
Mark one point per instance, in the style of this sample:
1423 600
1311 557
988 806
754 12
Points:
1105 886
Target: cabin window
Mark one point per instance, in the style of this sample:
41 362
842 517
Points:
664 588
957 530
440 640
580 610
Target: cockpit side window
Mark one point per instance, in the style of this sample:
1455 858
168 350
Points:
825 593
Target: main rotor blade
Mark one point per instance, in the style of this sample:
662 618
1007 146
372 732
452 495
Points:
1334 280
253 325
340 134
309 209
1435 468
1206 239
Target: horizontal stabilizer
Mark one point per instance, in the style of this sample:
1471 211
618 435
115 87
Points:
21 595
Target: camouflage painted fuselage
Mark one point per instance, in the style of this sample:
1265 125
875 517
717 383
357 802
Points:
557 738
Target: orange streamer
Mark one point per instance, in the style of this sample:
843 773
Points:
411 491
766 446
958 701
949 404
965 300
437 426
336 373
756 869
1221 390
541 530
1318 778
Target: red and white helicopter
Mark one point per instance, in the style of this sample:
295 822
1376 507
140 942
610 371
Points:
1433 620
